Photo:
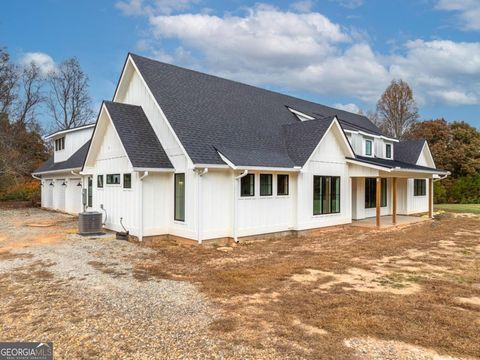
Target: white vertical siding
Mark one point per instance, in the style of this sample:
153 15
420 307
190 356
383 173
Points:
73 141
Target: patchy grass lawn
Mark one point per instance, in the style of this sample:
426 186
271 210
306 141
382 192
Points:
311 296
459 208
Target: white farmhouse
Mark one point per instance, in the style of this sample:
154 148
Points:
184 154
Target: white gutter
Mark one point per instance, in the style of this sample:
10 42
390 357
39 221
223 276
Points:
200 204
443 177
235 204
36 177
140 211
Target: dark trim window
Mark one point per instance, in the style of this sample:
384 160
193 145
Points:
179 206
282 184
247 185
90 192
326 195
371 193
113 179
99 181
266 184
388 151
127 181
419 187
368 147
60 144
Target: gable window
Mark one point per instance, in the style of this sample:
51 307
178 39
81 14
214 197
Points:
371 193
60 144
179 206
282 184
127 181
388 151
99 181
326 195
419 187
247 185
113 179
266 184
368 147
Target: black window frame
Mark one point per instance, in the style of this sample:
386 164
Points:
287 184
333 193
388 151
269 184
60 143
129 176
109 178
175 198
251 185
369 141
99 181
419 187
371 193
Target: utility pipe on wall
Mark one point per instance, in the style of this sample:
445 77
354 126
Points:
200 204
140 212
235 204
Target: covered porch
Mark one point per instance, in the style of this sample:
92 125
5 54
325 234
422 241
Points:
386 221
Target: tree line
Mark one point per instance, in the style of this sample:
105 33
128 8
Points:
455 146
26 94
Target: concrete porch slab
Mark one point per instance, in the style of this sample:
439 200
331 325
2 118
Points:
386 221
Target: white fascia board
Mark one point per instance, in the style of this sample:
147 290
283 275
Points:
63 132
421 171
371 166
161 170
300 114
371 135
257 168
211 166
158 107
56 171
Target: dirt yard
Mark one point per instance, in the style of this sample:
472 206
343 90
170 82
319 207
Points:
341 293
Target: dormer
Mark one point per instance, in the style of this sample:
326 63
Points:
66 142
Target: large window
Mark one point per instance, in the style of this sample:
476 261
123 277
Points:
99 181
388 151
127 181
113 179
282 184
247 185
371 193
266 182
368 147
326 195
419 187
179 197
60 144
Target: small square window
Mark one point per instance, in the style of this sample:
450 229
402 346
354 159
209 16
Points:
113 179
247 185
127 181
368 147
282 184
419 187
388 151
266 184
99 181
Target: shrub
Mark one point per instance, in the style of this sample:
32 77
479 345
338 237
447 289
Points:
27 191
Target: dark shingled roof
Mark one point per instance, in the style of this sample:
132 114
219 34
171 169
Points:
390 164
137 136
73 162
248 123
408 151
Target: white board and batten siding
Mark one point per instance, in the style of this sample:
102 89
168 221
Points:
74 140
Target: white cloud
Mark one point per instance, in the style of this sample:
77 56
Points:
303 6
468 12
308 52
152 7
42 60
349 4
347 107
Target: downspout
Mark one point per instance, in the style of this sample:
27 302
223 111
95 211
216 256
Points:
140 212
235 204
36 177
442 177
200 204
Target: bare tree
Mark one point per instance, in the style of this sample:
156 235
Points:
69 101
8 81
397 109
30 94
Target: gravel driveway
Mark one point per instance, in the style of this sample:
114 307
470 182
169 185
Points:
82 294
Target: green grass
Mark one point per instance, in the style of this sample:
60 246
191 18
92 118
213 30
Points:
460 208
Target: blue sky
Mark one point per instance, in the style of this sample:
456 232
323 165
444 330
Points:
335 52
